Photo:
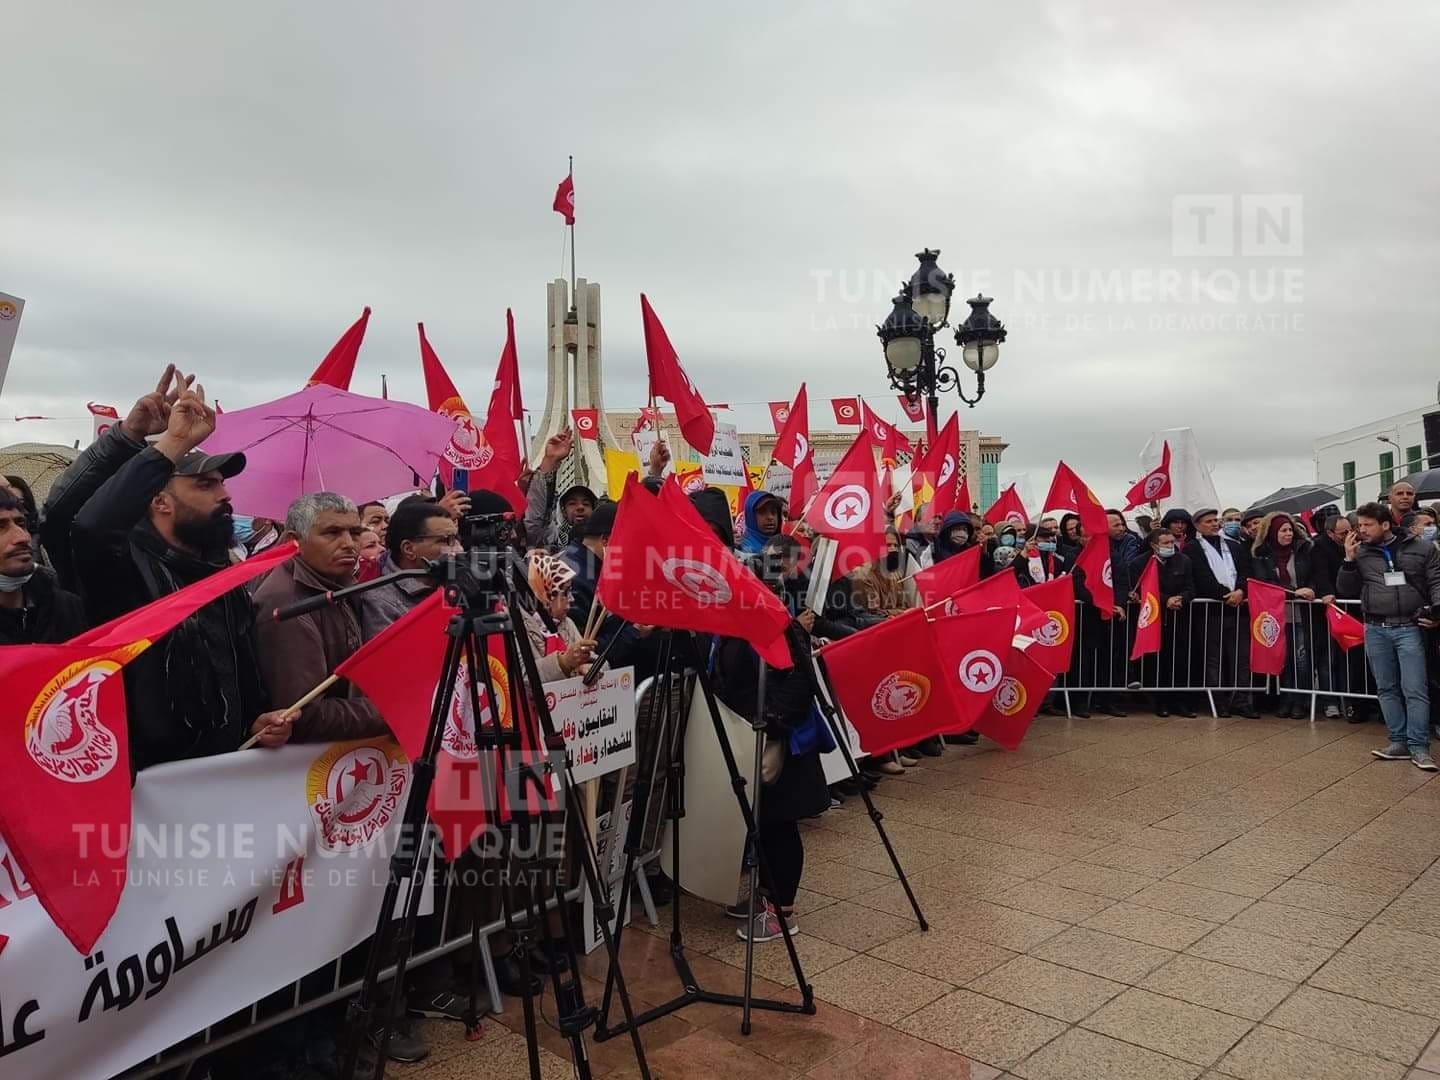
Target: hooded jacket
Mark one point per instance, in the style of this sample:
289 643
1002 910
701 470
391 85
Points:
198 689
941 548
712 505
753 539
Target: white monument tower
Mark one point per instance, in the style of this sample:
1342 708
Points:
573 381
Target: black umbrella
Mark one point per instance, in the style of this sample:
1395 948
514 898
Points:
1426 484
1295 500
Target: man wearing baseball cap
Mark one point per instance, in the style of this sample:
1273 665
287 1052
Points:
134 521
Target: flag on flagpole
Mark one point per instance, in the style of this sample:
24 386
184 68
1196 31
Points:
1147 622
68 760
1008 509
664 567
1153 486
793 450
1094 564
914 410
1069 492
779 413
850 508
1347 630
587 423
339 363
668 380
565 199
972 646
847 411
1008 714
1267 627
1053 640
955 574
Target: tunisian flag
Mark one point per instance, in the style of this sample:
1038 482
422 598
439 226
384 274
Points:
914 410
339 362
664 567
1267 627
1154 485
1007 715
850 508
66 754
587 423
955 574
937 469
1054 640
502 459
1147 622
884 435
668 380
973 646
1069 492
890 683
847 410
565 199
1347 630
780 413
1000 590
1008 508
792 449
1094 562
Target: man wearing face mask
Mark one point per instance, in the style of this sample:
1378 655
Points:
957 534
34 609
133 522
1039 560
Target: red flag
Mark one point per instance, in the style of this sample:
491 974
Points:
850 508
66 760
105 417
972 645
1000 590
1094 563
890 683
847 411
668 380
1008 508
955 574
1154 485
691 479
1007 715
885 435
1267 627
1069 492
1347 630
914 410
648 420
1147 622
587 423
499 470
664 567
780 413
963 500
565 199
339 363
938 468
792 448
1055 638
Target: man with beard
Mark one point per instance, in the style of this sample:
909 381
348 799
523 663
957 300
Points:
134 522
33 608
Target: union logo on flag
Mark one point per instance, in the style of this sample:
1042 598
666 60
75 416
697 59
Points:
64 734
1266 629
899 695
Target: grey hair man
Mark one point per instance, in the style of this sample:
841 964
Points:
298 654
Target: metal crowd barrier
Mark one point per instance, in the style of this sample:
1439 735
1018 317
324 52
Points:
341 978
1205 650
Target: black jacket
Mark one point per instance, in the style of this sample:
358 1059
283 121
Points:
1055 564
1417 559
1326 561
626 648
48 614
1264 567
1206 585
197 690
1176 576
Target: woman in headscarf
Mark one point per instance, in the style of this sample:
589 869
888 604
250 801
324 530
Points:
1283 556
560 651
1072 538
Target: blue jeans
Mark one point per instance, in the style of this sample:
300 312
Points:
1397 657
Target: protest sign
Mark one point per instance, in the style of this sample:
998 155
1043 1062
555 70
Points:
724 466
610 859
597 722
11 308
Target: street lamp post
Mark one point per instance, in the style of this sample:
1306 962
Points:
917 366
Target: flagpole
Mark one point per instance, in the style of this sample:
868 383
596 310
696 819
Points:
572 229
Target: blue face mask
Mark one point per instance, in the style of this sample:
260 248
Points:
1428 532
244 528
1007 540
1046 546
1232 529
1164 553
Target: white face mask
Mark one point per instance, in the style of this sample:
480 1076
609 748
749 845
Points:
14 584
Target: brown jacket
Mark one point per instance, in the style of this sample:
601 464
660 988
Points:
878 591
298 654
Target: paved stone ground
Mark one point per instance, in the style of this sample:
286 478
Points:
1121 899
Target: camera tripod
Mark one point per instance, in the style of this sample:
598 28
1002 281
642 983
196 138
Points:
489 606
666 734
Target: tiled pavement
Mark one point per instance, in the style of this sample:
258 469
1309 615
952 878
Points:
1123 899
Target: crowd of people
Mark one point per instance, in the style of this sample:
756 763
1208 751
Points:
144 512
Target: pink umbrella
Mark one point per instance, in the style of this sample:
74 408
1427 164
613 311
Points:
327 439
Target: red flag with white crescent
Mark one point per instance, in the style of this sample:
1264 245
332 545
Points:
1154 485
850 508
1094 563
779 414
1008 509
587 423
914 410
1008 714
847 411
1054 640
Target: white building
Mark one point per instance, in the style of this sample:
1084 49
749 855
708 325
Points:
1366 460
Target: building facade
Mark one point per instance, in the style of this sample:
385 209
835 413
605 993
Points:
1364 461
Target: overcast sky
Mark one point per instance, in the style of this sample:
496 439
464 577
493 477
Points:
225 186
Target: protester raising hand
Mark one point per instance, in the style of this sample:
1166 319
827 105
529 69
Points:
455 503
151 413
190 423
557 449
